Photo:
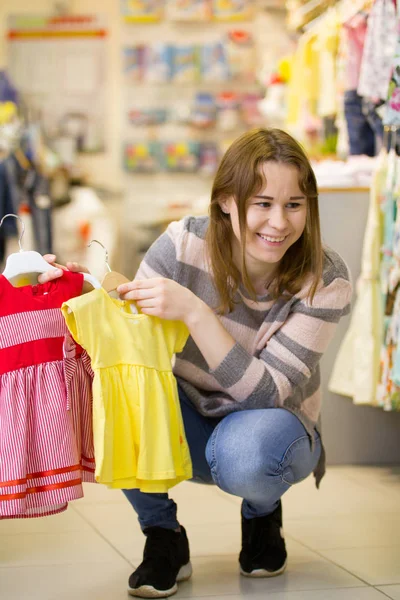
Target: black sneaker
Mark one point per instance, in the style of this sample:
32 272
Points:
263 546
166 560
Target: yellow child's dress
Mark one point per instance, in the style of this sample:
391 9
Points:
139 438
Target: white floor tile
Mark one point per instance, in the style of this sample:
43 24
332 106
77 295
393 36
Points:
66 582
66 521
219 576
55 548
370 476
83 554
212 505
354 531
122 530
392 591
226 539
376 566
365 593
95 493
338 495
118 525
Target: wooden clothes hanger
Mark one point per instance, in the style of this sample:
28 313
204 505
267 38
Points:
112 279
29 261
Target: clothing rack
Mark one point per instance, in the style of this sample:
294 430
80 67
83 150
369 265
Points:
374 378
345 10
314 11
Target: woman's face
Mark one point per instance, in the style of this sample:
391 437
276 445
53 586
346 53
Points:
276 218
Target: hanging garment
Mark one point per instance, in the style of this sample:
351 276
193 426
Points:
34 196
389 390
46 442
361 136
394 281
379 49
139 438
303 86
354 31
392 108
327 47
356 369
388 209
8 201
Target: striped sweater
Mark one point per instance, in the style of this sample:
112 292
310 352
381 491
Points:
279 343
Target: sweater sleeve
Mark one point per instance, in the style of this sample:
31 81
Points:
161 258
288 359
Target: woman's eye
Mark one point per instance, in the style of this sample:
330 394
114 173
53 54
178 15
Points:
264 204
293 205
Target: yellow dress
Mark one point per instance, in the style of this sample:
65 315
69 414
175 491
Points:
139 437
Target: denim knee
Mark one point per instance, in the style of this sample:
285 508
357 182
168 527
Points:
244 465
238 467
295 465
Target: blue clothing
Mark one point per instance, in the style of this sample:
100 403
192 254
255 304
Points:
364 126
254 454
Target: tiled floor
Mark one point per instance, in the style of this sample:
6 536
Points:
343 543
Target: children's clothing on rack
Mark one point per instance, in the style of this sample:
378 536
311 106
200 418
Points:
139 436
46 445
356 369
388 389
379 49
367 367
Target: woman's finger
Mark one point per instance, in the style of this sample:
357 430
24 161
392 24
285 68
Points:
77 268
138 284
146 303
132 296
50 275
152 312
51 259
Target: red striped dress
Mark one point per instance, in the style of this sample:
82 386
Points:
46 439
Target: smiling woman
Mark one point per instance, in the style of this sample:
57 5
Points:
261 299
275 220
265 191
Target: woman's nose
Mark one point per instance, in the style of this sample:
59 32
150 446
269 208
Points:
277 219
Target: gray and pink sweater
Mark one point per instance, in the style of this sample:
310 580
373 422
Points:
279 343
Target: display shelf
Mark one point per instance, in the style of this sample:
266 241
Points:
157 112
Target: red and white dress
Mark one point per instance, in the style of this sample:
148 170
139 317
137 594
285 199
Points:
46 439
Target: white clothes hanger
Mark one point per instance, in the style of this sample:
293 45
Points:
30 261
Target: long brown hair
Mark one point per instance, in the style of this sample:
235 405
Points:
239 176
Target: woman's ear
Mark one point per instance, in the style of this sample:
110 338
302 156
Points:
224 207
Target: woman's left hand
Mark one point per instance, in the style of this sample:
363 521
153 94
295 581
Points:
160 297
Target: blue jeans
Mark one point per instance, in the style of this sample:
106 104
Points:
254 454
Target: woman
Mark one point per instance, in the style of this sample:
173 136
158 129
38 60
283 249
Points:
261 299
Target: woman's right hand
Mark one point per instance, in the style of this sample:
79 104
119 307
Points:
51 274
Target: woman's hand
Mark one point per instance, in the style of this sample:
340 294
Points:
51 275
161 297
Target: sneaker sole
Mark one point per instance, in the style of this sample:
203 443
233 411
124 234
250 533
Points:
148 591
264 572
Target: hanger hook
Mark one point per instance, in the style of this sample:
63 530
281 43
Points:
105 250
22 228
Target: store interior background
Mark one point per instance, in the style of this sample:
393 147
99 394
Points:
138 204
136 208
